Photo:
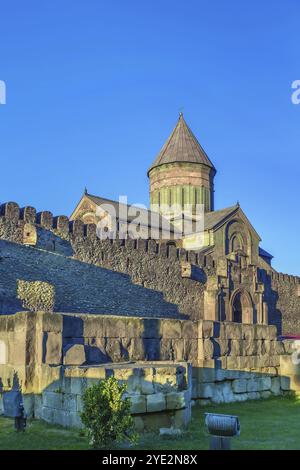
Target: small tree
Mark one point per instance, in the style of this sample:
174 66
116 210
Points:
106 414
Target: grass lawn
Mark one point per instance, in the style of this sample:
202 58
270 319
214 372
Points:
265 424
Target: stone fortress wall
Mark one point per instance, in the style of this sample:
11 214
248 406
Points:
148 304
158 267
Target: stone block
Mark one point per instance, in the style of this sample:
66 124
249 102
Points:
156 402
233 362
138 404
205 349
190 329
74 355
240 397
178 349
134 327
265 383
253 395
261 331
272 332
223 393
69 402
204 374
53 348
47 414
239 386
253 385
248 332
114 327
53 400
275 385
265 394
191 351
250 347
206 390
233 330
207 329
171 328
176 401
50 322
236 347
93 327
165 379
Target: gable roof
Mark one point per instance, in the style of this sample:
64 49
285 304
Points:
182 146
212 219
154 219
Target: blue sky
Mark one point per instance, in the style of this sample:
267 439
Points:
94 89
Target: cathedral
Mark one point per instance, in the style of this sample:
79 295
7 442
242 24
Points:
182 175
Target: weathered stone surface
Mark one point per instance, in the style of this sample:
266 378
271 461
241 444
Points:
176 401
53 348
171 328
265 383
275 385
233 330
265 394
254 395
239 386
53 400
204 374
206 390
207 329
138 404
253 385
156 402
205 349
74 355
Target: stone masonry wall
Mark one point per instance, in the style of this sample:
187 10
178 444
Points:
160 394
45 341
151 265
154 266
79 287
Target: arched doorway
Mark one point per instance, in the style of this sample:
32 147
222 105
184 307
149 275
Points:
241 307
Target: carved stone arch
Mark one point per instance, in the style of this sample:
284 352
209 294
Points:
29 234
241 307
237 232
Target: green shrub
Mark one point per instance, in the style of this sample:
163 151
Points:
106 414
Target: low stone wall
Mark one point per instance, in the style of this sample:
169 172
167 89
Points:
160 394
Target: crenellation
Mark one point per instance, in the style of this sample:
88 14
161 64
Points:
10 210
45 219
61 224
28 214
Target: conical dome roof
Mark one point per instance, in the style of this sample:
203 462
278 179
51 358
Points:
182 146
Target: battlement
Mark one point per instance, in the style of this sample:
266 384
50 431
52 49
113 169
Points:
287 278
11 213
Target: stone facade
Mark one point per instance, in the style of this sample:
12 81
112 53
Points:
195 284
160 394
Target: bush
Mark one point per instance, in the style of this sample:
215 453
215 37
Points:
106 414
